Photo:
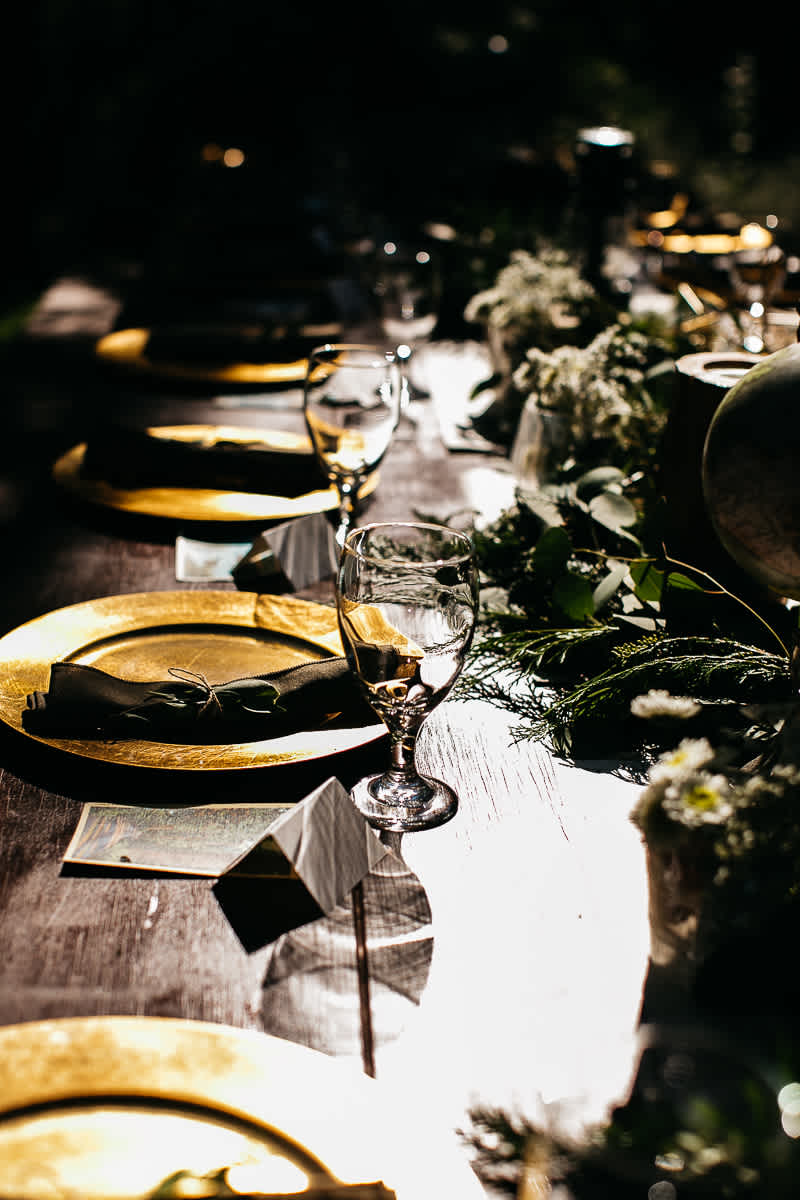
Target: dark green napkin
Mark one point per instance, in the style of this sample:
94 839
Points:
129 457
85 702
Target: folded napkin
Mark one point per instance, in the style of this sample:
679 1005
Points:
84 701
130 457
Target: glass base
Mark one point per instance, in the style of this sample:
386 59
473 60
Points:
440 806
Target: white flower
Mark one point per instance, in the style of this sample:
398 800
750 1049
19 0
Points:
698 798
691 754
659 703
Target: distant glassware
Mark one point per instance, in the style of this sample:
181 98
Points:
539 444
756 276
351 403
407 286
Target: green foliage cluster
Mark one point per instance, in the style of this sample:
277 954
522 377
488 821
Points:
583 611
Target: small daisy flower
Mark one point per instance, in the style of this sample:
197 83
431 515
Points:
691 754
659 703
697 799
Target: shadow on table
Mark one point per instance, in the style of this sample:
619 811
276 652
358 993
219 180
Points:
310 991
260 910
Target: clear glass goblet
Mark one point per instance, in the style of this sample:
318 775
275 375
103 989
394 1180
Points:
756 276
351 403
408 289
407 600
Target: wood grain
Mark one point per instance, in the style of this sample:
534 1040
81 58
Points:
506 949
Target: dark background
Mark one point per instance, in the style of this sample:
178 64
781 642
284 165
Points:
352 115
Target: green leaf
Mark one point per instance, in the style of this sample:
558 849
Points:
612 511
609 585
552 553
645 624
710 669
573 595
682 582
542 505
648 582
597 480
253 695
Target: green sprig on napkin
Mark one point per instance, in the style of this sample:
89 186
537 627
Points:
83 701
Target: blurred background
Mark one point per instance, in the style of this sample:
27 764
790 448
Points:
142 136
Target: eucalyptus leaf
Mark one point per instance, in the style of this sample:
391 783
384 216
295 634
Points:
613 511
597 480
573 595
648 582
552 553
681 582
542 505
645 624
609 585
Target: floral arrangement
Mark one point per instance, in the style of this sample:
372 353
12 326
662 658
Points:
539 298
606 392
740 826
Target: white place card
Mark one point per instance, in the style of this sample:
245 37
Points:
322 841
303 551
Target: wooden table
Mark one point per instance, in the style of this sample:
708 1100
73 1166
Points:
512 975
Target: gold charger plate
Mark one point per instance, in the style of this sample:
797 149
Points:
128 348
106 1108
140 635
202 504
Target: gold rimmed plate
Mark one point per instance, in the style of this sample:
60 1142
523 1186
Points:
132 349
141 635
112 1107
202 504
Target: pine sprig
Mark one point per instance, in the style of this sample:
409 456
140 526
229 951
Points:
531 652
715 672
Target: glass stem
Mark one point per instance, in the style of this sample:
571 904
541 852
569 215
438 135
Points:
402 785
401 752
347 489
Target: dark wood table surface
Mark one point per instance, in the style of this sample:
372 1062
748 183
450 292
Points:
506 950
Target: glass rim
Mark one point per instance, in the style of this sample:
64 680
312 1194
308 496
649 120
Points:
450 560
384 355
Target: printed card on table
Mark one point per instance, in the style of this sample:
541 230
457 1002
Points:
322 841
204 840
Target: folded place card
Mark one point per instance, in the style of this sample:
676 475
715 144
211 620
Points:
301 552
200 840
330 845
206 562
322 841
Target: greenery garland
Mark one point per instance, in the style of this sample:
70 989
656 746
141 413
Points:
580 616
583 608
604 645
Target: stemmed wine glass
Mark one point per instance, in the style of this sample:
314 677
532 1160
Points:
407 287
757 275
407 600
351 403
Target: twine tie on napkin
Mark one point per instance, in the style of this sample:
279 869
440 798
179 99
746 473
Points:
83 701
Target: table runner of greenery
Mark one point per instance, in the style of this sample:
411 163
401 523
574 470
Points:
604 645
